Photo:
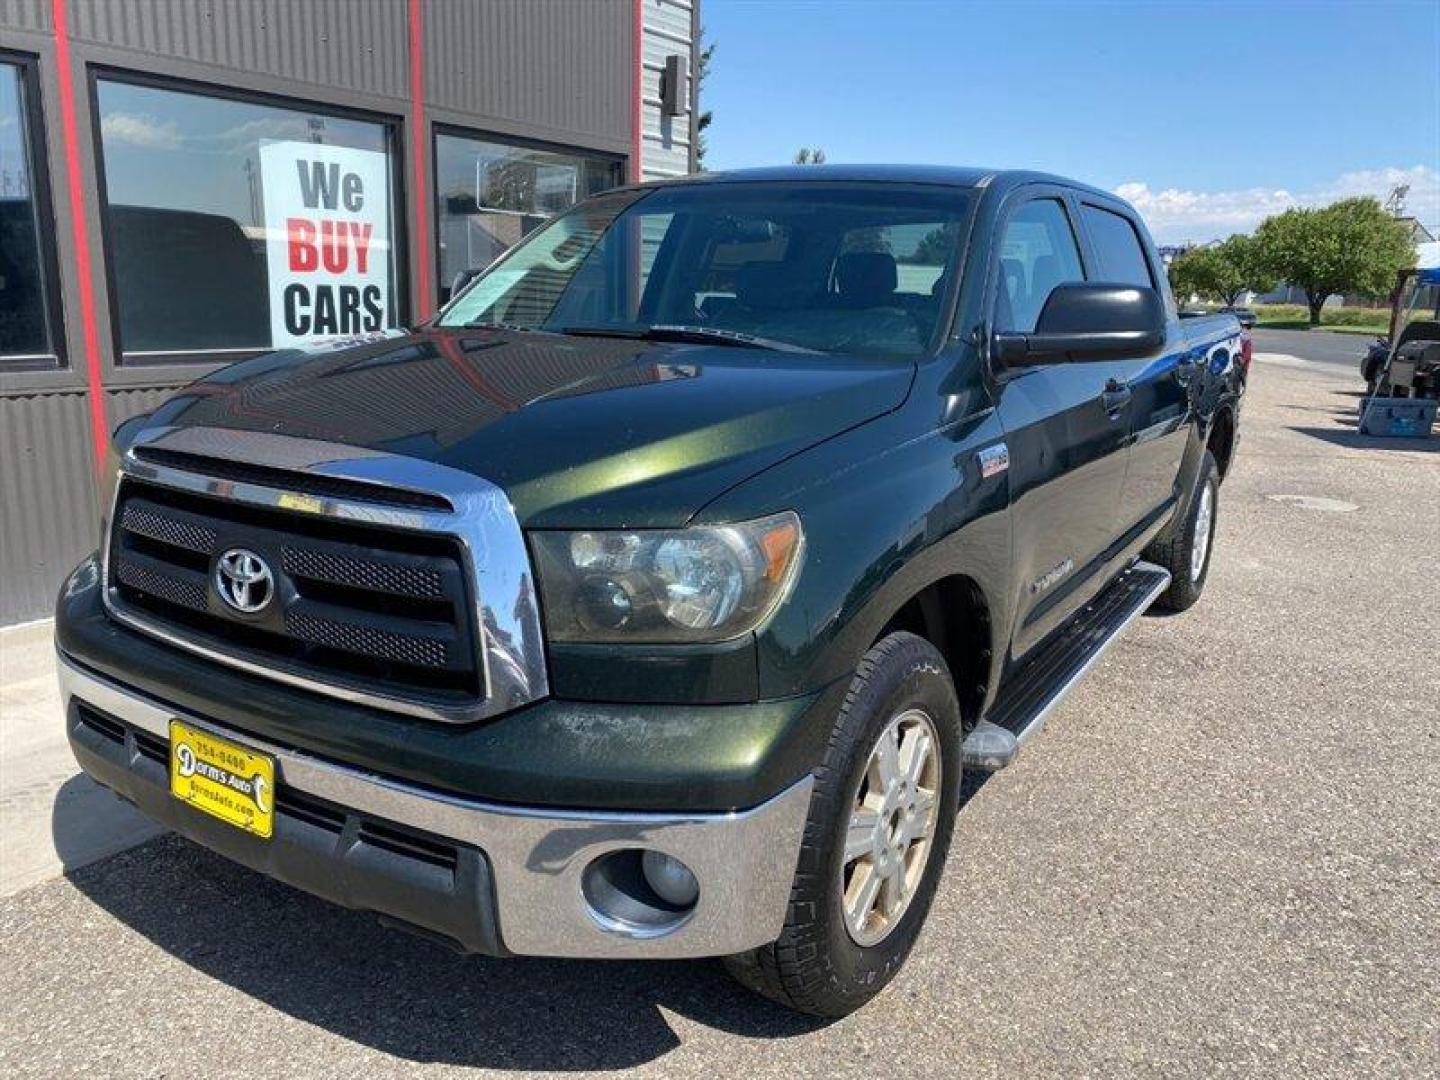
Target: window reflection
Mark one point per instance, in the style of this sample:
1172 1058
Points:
490 195
24 315
186 213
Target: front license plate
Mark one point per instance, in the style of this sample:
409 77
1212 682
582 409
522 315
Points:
222 779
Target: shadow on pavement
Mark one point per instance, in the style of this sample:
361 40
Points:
342 971
405 996
88 823
1352 439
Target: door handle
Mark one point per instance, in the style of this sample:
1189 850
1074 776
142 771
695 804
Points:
1115 397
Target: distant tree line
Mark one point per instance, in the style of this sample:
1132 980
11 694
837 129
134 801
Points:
1351 246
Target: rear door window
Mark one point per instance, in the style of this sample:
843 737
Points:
1118 250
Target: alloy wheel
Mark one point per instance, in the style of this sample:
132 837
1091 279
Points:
892 821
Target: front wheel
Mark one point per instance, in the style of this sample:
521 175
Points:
1187 553
881 816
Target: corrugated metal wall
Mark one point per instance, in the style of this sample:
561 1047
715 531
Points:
560 68
665 147
47 493
350 44
25 14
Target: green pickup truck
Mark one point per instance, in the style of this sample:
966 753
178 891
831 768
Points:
654 599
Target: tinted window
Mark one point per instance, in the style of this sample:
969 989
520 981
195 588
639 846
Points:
1037 252
490 195
838 268
25 338
234 225
1117 248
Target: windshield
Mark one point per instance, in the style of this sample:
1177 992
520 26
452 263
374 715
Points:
853 268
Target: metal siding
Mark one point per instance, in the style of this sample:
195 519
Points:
47 499
669 17
25 15
121 405
355 45
665 140
555 64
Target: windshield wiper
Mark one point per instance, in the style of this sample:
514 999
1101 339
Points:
709 335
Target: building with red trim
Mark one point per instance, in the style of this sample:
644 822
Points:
170 173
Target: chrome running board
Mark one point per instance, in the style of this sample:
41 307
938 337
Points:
1046 676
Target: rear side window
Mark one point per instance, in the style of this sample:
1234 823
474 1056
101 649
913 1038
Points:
1037 252
1117 248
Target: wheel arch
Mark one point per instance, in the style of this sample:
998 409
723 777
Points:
1220 440
953 614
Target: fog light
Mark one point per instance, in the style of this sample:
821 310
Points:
670 878
639 894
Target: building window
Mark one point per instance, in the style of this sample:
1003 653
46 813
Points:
234 226
29 335
489 195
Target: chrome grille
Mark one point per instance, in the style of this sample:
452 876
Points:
397 583
354 605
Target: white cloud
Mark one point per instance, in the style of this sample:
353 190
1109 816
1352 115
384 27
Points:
270 127
141 129
1175 216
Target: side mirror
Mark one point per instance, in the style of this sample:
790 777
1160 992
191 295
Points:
1089 321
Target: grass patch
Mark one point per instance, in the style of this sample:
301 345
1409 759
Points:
1371 321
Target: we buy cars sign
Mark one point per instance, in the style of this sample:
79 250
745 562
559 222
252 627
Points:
327 240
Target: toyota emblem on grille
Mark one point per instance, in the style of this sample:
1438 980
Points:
244 581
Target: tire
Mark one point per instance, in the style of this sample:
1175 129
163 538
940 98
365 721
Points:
1188 570
817 965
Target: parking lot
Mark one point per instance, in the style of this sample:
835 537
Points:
1222 857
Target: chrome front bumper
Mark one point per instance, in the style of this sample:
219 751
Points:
744 861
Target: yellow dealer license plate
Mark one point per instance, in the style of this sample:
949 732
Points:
224 780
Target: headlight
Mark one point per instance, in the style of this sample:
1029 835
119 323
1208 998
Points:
706 583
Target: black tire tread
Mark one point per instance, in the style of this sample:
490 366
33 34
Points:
789 971
1173 554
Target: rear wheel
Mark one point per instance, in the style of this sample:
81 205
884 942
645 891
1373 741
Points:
881 817
1187 553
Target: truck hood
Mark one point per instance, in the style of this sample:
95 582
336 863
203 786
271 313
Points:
579 432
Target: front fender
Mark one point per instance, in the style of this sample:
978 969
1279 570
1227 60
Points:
884 517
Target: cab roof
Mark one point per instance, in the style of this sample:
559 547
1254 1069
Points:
945 175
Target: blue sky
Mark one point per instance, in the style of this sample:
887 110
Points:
1206 115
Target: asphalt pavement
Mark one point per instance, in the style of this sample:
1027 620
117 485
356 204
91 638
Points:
1222 857
1323 347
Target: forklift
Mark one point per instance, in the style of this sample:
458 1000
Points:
1402 374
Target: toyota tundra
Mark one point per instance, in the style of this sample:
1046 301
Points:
654 599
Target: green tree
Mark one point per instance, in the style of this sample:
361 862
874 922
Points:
1348 246
935 246
1249 272
1205 272
1221 271
808 156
